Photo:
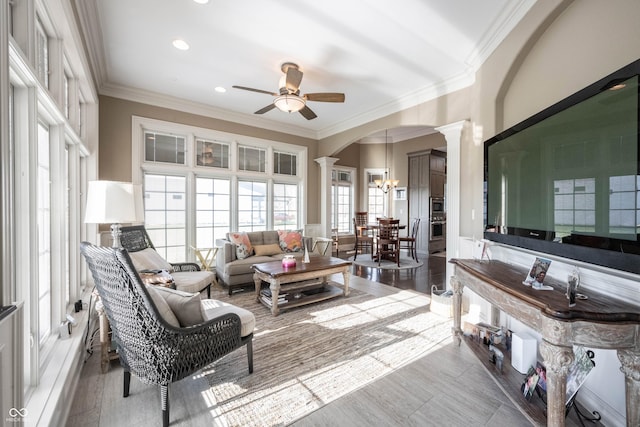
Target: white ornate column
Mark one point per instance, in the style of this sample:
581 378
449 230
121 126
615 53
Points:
453 134
557 360
326 164
630 360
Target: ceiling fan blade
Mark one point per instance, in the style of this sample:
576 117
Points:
265 109
325 97
255 90
308 113
294 77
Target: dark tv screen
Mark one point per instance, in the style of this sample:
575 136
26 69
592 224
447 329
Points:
567 180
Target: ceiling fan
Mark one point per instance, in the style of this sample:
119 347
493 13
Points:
289 99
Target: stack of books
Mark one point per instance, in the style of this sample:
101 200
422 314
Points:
265 296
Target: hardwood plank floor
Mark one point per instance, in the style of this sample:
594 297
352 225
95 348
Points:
449 387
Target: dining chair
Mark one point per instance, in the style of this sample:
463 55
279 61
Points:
388 243
361 223
363 241
409 241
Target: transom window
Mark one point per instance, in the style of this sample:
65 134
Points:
285 163
252 159
164 148
212 154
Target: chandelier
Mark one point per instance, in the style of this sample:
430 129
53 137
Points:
386 184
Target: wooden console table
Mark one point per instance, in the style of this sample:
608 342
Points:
598 322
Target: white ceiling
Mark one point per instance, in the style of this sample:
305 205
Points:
383 56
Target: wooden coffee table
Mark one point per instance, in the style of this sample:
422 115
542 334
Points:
305 283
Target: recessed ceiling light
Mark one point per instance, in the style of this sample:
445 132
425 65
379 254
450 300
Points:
201 1
618 86
220 88
180 44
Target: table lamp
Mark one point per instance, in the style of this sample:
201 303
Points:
113 202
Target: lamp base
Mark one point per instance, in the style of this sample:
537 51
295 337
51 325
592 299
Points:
115 236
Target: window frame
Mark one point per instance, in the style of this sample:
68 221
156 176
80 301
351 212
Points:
192 170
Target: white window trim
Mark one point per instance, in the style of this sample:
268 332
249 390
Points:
191 133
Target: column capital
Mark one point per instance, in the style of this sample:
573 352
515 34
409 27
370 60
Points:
326 161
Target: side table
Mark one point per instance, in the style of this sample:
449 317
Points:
207 258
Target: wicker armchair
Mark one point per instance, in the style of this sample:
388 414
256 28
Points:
149 347
136 239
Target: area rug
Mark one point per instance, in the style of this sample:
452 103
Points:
309 356
405 262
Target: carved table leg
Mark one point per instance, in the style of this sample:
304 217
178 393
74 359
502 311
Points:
557 360
275 294
258 284
630 360
456 330
345 276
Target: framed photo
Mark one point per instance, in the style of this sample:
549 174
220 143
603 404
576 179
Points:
400 193
537 274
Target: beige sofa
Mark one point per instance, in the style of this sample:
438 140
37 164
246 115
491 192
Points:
237 273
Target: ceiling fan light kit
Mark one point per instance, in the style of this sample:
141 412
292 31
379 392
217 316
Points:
289 99
289 103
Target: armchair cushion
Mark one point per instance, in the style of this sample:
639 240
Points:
163 307
213 308
184 305
244 248
267 250
149 259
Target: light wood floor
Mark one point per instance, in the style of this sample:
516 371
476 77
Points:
448 387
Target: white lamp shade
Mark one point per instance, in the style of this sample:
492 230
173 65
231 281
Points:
110 202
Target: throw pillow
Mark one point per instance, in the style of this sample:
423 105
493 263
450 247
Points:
163 307
266 250
149 259
185 305
290 241
243 244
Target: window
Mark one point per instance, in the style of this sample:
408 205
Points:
284 163
252 206
164 148
165 214
66 94
285 206
342 191
213 210
376 200
252 159
44 235
42 52
212 154
217 193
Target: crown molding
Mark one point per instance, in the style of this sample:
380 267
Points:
87 11
503 25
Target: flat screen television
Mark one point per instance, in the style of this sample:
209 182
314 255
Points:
566 181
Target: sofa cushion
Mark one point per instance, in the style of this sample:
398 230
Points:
244 247
243 266
149 259
213 308
290 241
184 305
271 249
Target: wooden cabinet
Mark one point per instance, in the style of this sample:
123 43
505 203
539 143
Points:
427 178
